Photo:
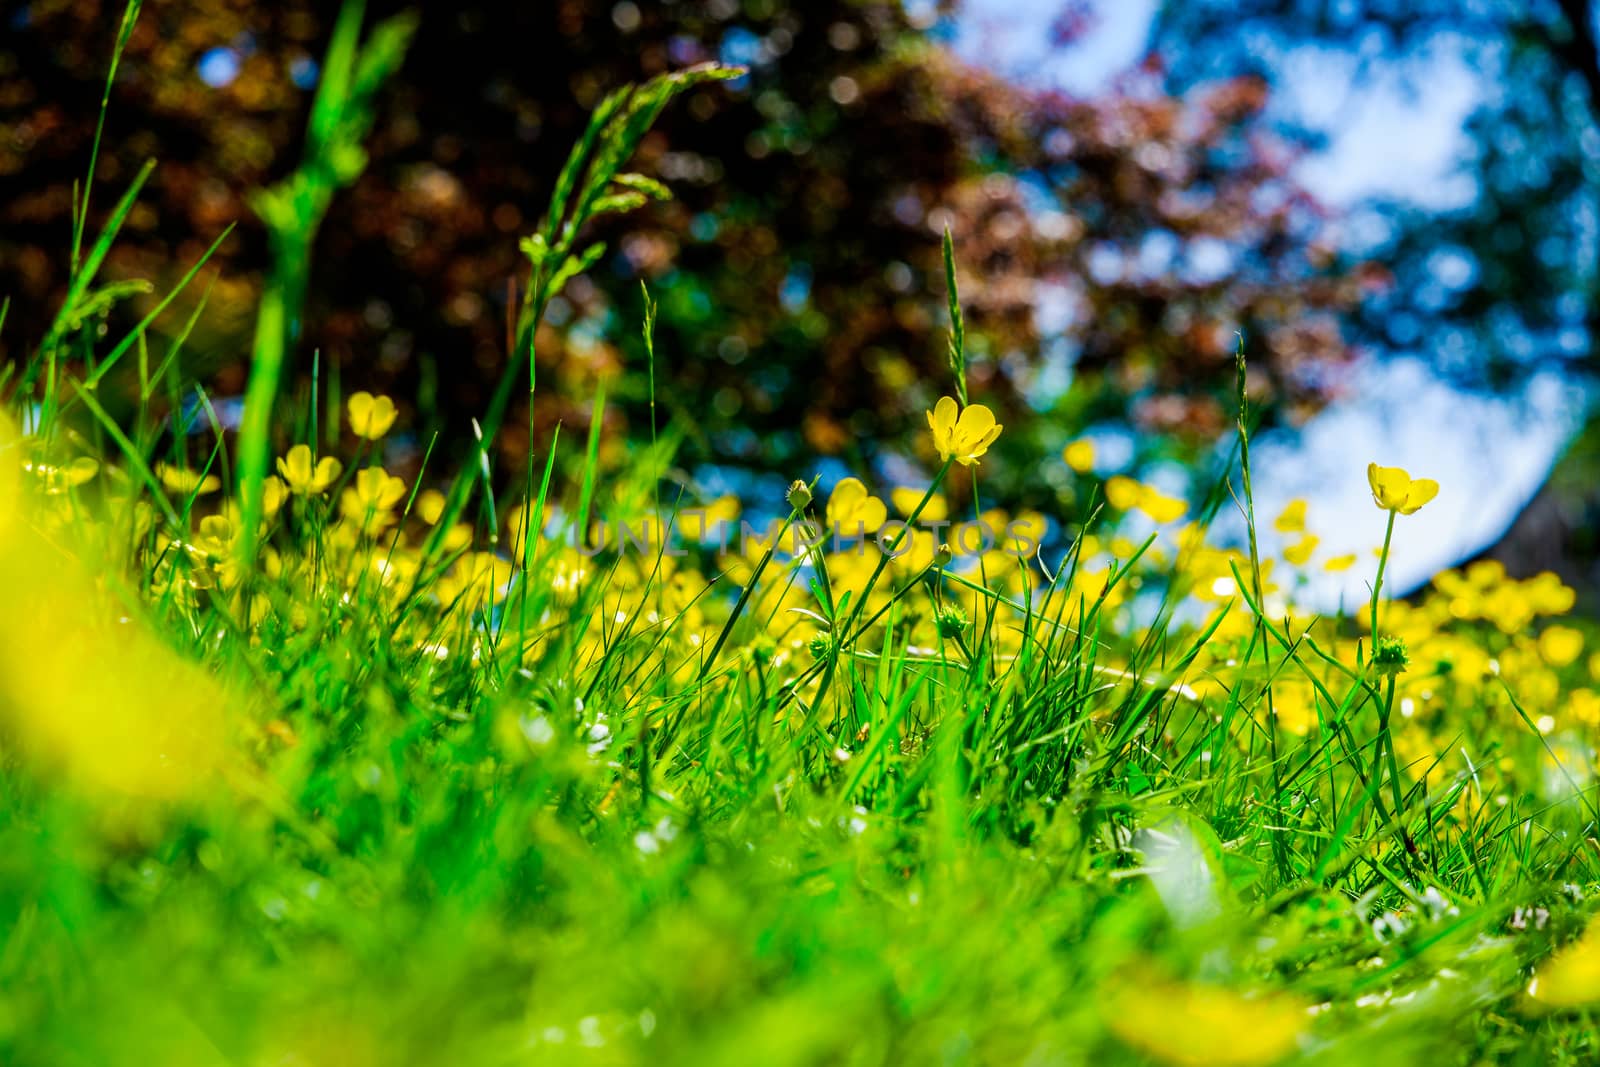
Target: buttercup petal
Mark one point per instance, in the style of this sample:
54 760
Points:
976 421
845 499
1419 493
1389 486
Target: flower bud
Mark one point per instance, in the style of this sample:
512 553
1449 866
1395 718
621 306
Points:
1389 656
952 622
799 495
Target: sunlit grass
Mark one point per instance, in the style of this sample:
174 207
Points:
308 760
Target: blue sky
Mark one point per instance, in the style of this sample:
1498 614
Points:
1391 133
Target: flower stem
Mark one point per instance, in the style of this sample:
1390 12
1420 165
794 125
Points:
1377 586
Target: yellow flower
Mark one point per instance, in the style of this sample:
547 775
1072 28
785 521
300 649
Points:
724 509
1300 552
962 439
476 578
1160 507
273 492
1395 490
1292 519
1571 977
87 691
1193 1025
1079 455
1339 564
370 501
852 508
57 480
1125 494
180 481
370 416
430 506
906 500
1561 645
304 477
215 537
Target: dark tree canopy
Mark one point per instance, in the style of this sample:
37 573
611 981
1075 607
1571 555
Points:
1118 242
1507 285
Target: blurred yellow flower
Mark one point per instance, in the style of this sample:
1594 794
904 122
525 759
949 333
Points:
273 494
1292 519
1300 552
724 509
1125 494
1340 564
181 481
963 436
1122 493
87 691
307 478
370 416
430 506
370 500
1395 490
1160 507
1195 1025
55 480
1079 455
1561 645
852 508
476 577
1570 978
906 500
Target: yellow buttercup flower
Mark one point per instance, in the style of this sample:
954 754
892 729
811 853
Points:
905 501
1292 519
87 689
430 506
1079 455
1126 494
1561 645
273 494
370 416
963 436
1571 977
1122 492
370 501
1301 551
851 507
56 480
180 481
1194 1025
305 477
1395 490
1161 507
1339 564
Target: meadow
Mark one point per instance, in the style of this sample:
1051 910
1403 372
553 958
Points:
306 762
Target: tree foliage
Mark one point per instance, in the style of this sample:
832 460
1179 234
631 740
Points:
1117 242
1502 285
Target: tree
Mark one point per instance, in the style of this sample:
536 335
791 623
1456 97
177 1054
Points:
1506 285
1117 242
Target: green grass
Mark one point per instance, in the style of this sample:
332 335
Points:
453 804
